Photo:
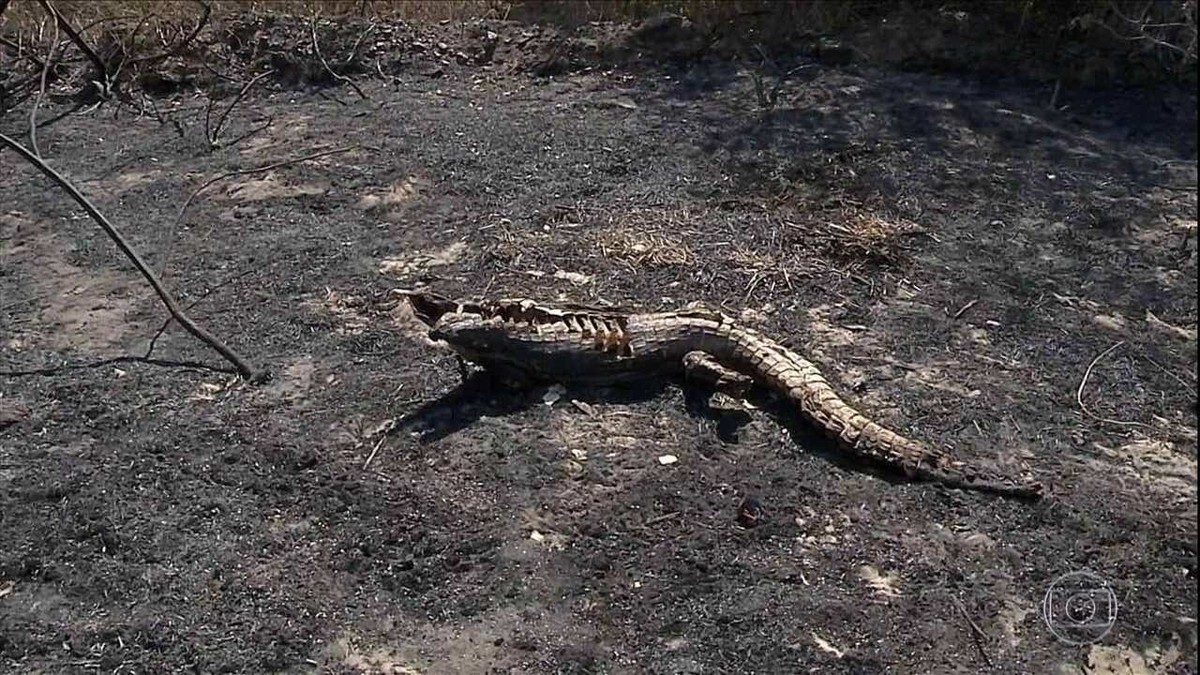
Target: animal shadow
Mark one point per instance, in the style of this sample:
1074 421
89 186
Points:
483 394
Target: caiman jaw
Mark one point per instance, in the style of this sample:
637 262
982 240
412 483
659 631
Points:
430 307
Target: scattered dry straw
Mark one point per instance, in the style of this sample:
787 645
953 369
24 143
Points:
647 237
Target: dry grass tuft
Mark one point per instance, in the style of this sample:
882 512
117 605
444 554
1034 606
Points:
870 230
646 237
645 248
752 260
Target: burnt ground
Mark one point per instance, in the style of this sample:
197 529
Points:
950 252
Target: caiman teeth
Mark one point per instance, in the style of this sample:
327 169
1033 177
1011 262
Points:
609 338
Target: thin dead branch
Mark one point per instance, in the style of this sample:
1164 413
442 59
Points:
1143 25
37 101
213 134
170 319
374 451
169 50
105 82
1083 383
62 115
243 368
195 31
21 53
965 308
106 19
977 634
253 132
165 363
357 43
337 76
1191 390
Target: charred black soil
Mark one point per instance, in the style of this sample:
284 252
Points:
953 254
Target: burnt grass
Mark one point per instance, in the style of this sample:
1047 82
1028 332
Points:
952 254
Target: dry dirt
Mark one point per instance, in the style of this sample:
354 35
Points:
952 253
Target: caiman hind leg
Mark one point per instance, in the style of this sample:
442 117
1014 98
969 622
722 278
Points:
703 367
511 377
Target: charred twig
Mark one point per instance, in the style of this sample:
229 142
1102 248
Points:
168 51
1083 383
73 109
106 19
256 130
243 368
123 45
337 76
218 74
21 50
354 48
332 97
162 329
37 101
105 82
1143 26
1186 387
977 634
374 451
137 28
166 363
213 134
768 99
965 308
154 108
199 27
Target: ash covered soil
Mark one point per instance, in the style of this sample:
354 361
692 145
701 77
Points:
951 253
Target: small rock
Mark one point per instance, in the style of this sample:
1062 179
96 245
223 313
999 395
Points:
574 277
553 394
667 459
573 469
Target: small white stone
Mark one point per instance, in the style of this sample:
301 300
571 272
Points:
667 459
553 394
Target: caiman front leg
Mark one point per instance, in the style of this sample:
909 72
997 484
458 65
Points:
464 368
703 367
510 377
504 374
